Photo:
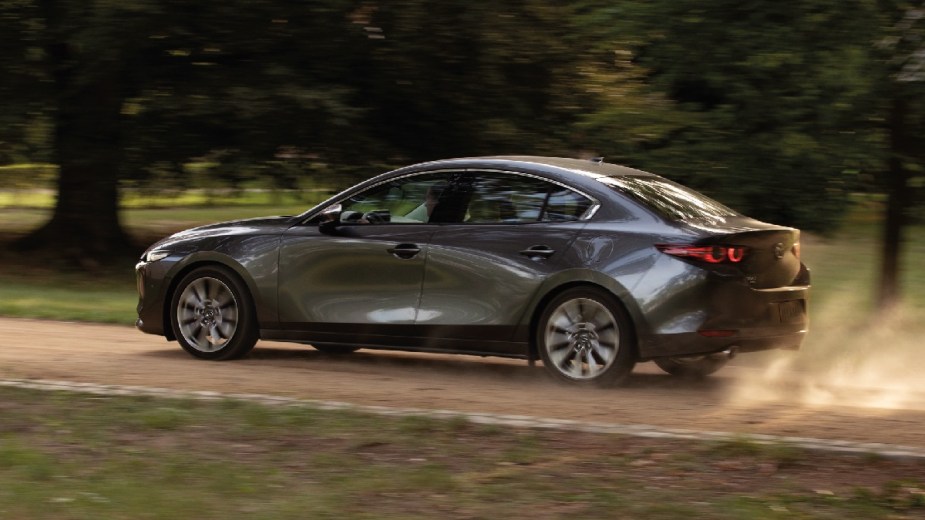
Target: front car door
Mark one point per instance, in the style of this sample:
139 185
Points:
360 279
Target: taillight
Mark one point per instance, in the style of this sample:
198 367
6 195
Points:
796 250
708 254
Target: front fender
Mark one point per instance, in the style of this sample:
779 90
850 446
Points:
260 278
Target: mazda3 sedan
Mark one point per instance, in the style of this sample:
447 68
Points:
588 266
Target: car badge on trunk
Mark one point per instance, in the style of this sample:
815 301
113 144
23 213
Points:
778 250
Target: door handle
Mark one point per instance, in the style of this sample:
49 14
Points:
537 252
404 251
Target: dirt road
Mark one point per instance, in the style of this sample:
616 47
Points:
121 355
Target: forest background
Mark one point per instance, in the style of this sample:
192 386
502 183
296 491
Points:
793 112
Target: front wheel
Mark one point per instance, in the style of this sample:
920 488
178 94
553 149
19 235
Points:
212 315
584 336
692 366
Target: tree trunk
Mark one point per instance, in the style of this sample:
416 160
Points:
84 228
898 201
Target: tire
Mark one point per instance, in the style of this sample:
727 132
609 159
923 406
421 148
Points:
692 366
336 350
212 314
585 337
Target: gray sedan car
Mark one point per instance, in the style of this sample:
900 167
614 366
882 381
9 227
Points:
587 266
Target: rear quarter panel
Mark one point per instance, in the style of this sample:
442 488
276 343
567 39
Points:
614 256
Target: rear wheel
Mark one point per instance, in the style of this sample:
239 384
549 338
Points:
212 314
692 366
584 336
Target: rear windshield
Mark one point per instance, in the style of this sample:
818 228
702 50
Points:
668 198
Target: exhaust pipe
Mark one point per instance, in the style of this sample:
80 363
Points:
727 354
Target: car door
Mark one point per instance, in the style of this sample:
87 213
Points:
483 270
359 279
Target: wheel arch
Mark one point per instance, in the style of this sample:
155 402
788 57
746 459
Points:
194 262
619 293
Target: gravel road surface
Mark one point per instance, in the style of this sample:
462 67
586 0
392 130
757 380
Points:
106 354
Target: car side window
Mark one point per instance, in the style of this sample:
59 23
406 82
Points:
564 205
406 200
464 197
501 198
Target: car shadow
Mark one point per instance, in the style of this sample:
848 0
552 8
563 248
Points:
392 363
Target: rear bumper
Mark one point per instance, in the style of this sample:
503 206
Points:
713 315
693 343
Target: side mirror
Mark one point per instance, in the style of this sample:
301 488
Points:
330 219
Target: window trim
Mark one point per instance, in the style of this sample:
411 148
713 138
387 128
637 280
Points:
587 215
592 209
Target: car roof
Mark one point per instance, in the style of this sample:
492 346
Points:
583 173
554 165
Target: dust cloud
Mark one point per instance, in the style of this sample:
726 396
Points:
847 360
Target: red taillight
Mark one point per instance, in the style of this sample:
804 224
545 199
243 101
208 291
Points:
735 254
708 254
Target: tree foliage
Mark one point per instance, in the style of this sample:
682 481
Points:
768 103
780 110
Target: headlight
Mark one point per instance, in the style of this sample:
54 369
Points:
154 256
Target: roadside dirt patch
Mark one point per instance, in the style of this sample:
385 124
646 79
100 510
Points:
34 349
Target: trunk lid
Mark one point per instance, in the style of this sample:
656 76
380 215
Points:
772 257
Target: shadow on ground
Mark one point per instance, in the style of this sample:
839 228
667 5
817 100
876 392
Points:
409 364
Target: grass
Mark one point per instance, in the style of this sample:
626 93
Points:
44 198
848 263
76 456
45 294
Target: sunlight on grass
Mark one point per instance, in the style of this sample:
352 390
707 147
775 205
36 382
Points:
44 199
166 220
108 302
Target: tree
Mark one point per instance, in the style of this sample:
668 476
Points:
130 85
142 86
452 78
86 101
761 95
774 108
902 55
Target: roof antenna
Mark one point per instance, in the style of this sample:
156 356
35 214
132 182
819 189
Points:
598 160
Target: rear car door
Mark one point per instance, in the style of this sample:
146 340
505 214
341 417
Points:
507 233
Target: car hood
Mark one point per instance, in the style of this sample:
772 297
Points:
249 226
236 225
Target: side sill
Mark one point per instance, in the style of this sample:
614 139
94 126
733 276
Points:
505 349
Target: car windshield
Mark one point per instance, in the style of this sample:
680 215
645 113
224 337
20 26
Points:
668 198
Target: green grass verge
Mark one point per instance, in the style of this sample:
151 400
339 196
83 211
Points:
77 456
69 297
154 221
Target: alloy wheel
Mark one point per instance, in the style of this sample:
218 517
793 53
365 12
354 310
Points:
582 338
207 314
